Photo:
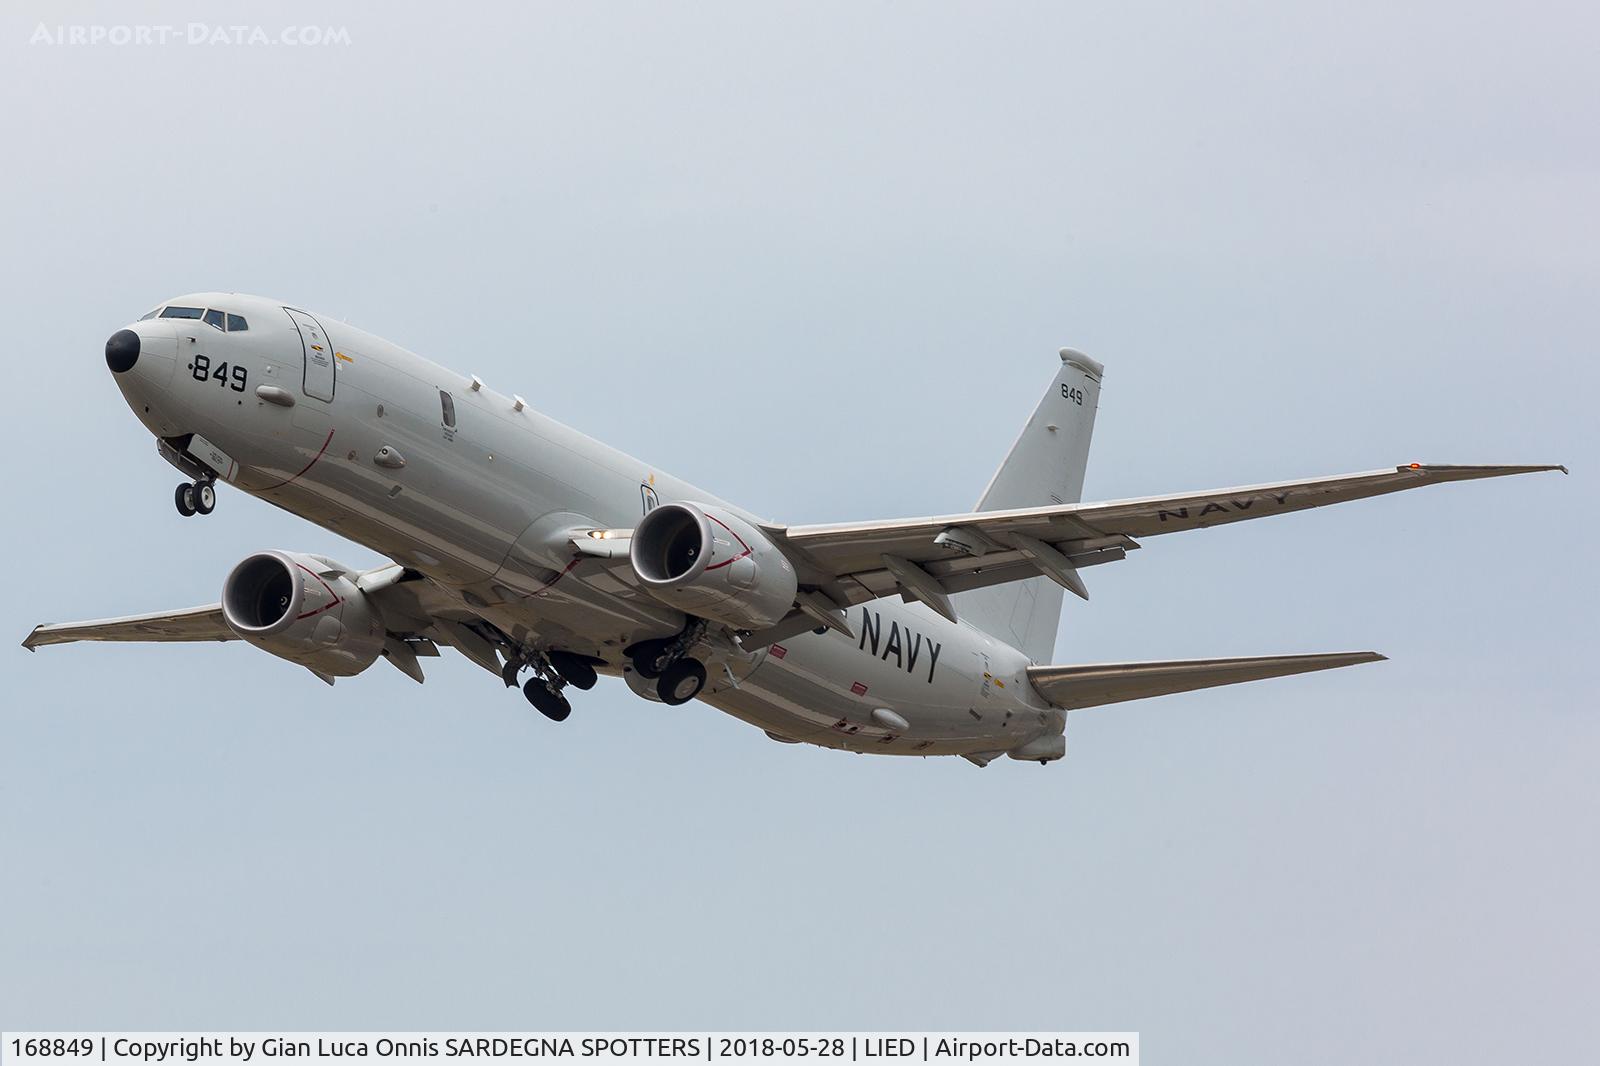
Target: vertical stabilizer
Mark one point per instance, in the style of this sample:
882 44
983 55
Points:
1045 466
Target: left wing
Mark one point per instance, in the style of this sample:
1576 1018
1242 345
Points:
190 624
927 558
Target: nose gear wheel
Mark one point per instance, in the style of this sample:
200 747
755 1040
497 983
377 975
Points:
195 497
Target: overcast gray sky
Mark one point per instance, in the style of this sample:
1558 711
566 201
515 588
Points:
1302 241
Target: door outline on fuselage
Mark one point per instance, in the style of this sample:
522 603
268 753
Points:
321 368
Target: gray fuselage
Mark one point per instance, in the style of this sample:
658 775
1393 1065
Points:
475 492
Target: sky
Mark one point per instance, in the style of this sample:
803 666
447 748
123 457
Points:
818 258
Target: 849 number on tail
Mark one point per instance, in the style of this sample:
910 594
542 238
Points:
201 368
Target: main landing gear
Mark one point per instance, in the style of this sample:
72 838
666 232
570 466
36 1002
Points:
576 670
681 682
678 677
198 497
547 697
552 672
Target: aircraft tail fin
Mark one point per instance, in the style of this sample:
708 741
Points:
1046 465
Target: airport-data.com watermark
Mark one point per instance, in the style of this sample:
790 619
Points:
126 35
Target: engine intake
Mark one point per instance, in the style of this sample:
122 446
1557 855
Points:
304 609
708 562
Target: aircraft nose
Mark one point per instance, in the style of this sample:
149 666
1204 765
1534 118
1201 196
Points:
122 351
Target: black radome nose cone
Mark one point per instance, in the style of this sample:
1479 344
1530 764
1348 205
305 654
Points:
122 350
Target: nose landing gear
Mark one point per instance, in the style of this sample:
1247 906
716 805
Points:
192 498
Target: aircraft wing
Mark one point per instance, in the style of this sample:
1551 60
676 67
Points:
1072 687
414 618
189 624
927 558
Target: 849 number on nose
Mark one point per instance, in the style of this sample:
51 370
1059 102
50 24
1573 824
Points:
201 368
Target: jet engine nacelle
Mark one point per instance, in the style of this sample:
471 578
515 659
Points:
303 608
713 564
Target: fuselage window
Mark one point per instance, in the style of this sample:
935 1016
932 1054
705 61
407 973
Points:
237 324
150 314
448 403
214 318
183 312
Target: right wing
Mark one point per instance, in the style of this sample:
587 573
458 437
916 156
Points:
1072 687
416 616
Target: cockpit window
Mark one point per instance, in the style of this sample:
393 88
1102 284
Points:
214 318
237 324
183 312
149 314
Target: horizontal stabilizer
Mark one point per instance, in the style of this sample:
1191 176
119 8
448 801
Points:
1072 687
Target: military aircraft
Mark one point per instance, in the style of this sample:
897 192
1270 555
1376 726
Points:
531 548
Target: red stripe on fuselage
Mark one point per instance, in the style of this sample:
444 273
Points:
303 469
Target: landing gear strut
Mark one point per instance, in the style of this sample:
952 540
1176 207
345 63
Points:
197 497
